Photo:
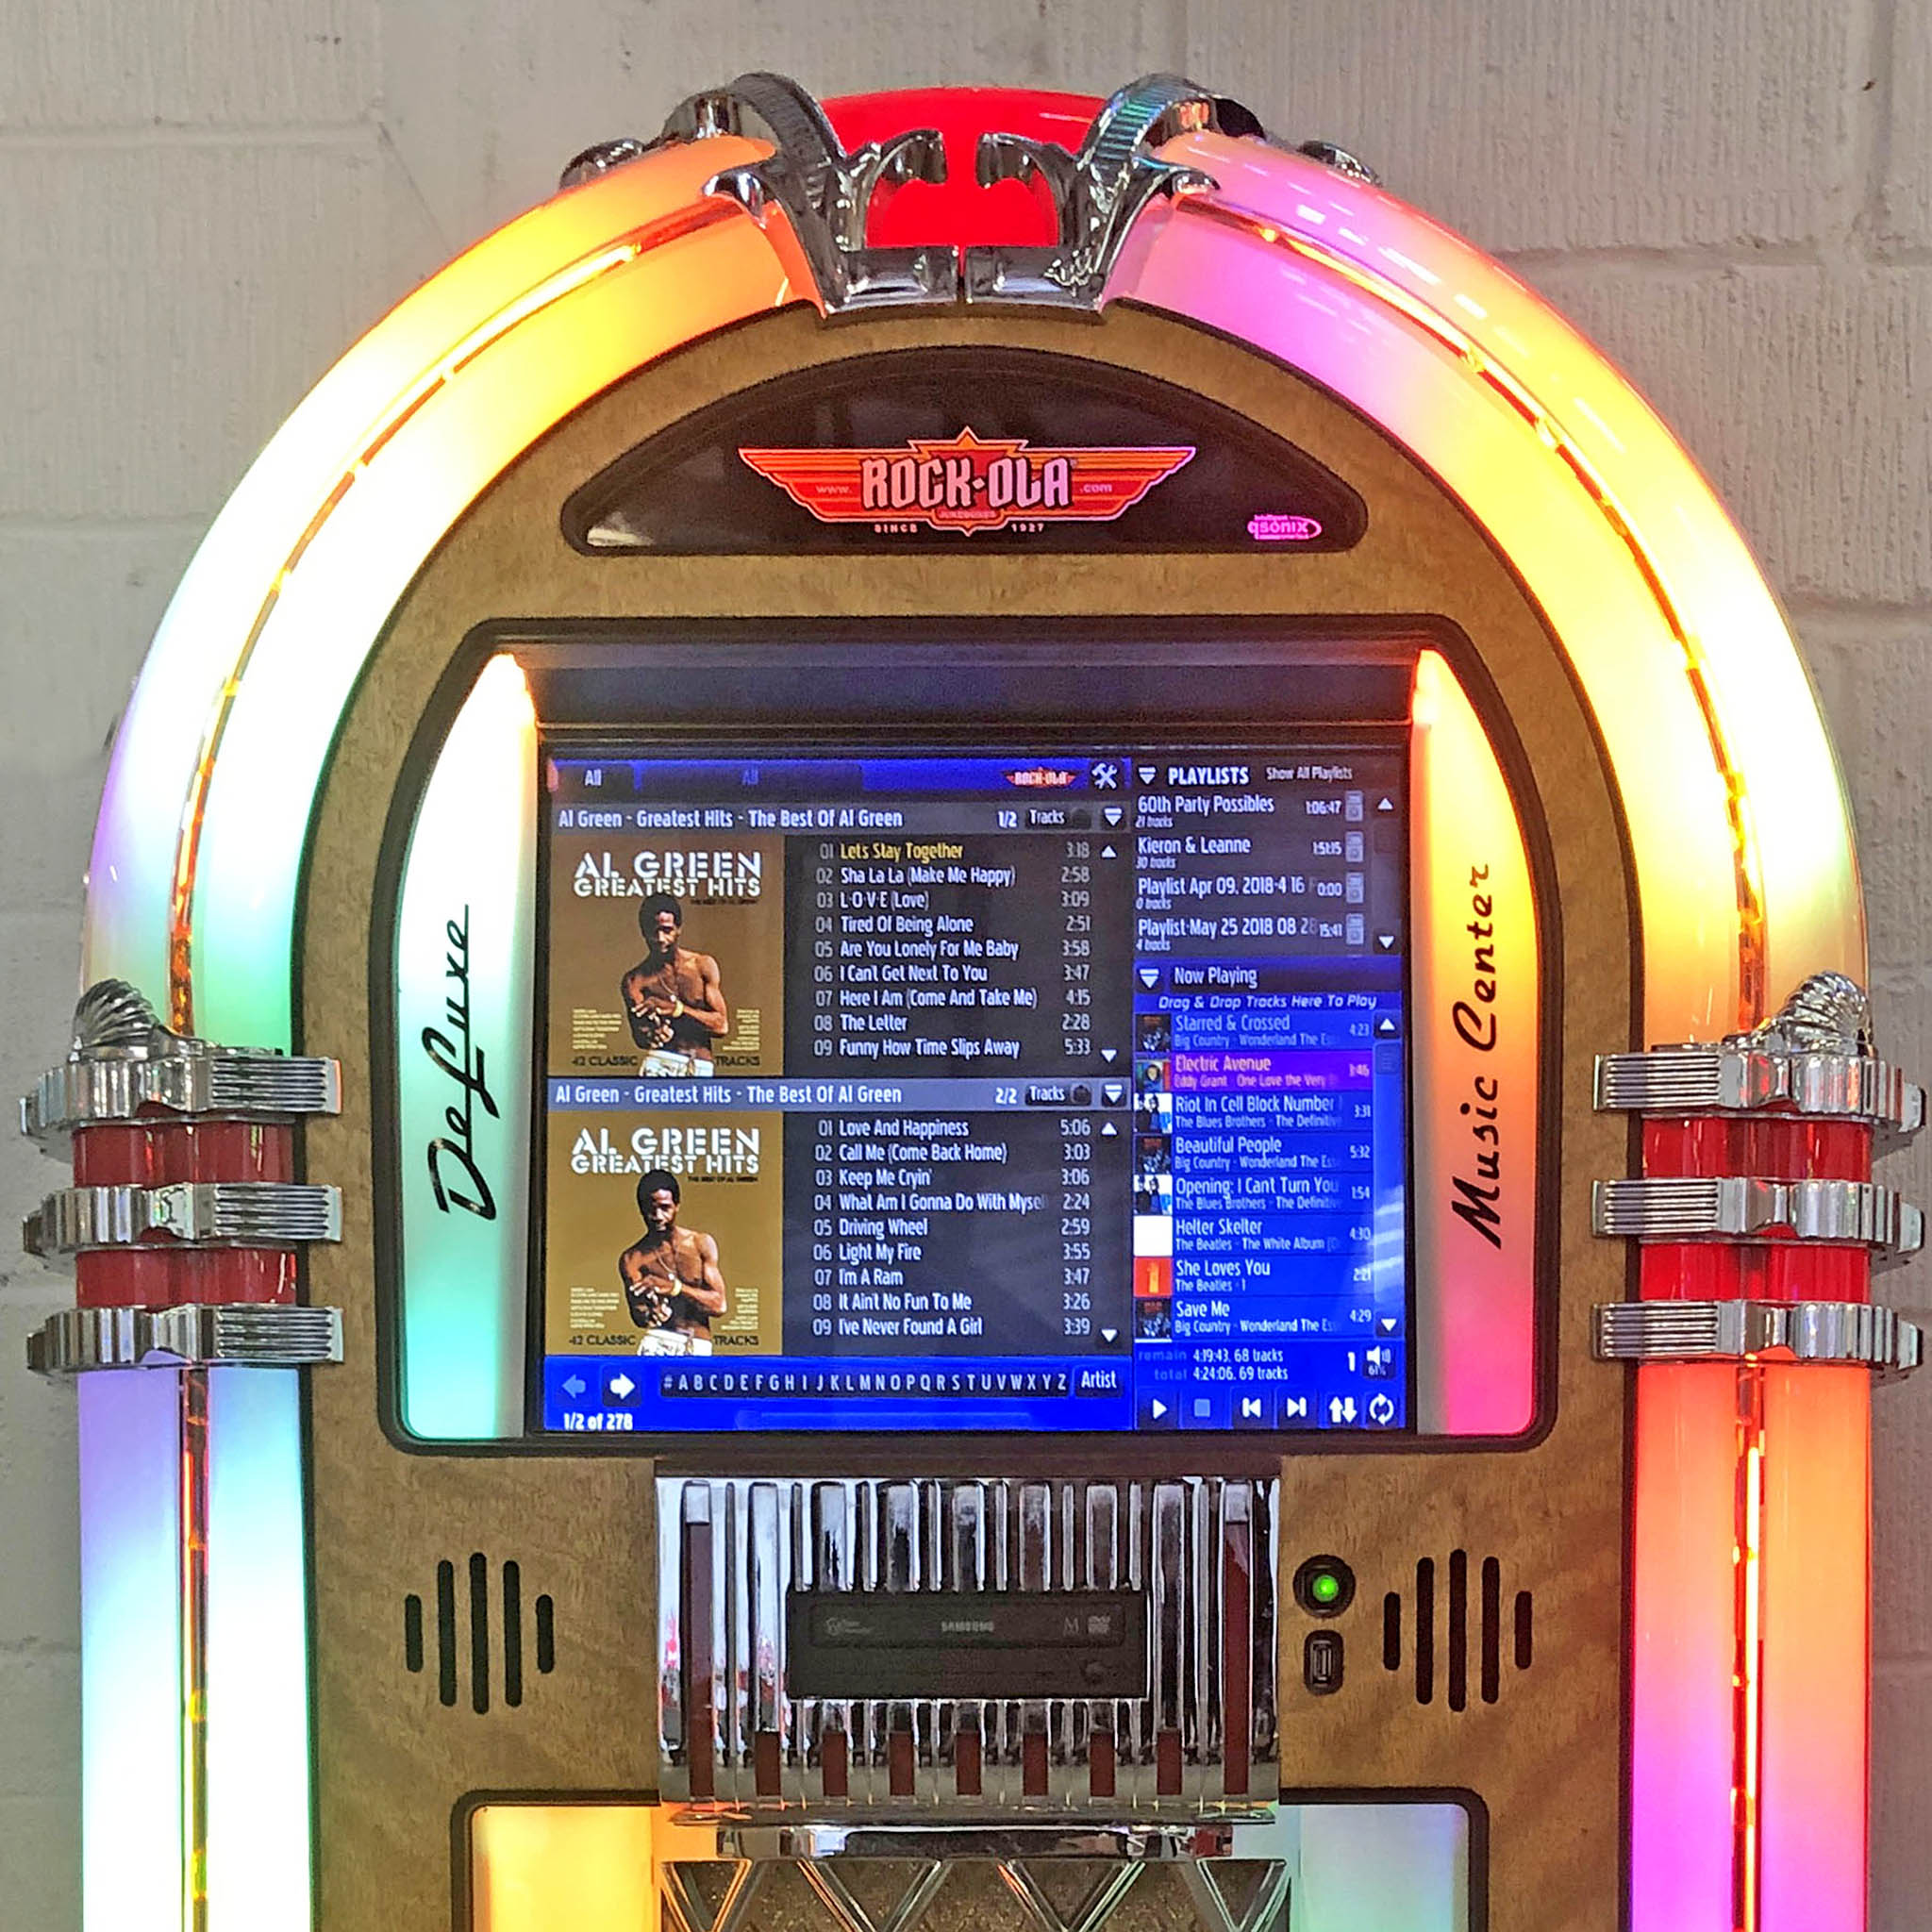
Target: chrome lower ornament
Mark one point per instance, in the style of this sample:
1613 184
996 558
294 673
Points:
241 1334
689 1908
1857 1334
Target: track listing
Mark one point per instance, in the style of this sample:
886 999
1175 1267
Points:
965 953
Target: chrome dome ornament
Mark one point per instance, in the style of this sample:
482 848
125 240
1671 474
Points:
1829 1013
113 1016
1333 155
602 156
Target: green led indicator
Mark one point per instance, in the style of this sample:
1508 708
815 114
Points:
1324 1586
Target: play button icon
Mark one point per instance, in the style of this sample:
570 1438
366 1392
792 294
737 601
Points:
1156 1412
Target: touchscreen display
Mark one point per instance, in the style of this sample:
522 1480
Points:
976 1087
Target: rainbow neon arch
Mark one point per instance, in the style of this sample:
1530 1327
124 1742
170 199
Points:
1740 840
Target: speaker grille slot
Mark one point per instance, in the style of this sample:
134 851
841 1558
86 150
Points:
1493 1630
1449 1647
1425 1631
446 1631
513 1634
480 1635
502 1598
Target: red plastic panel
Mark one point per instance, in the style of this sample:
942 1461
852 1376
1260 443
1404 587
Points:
1766 1148
160 1272
959 210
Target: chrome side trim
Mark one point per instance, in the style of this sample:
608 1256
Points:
1858 1333
1739 1208
213 1214
731 1549
250 1335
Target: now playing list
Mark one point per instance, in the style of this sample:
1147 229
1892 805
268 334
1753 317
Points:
1074 1101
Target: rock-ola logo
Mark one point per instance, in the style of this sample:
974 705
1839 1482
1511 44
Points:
966 483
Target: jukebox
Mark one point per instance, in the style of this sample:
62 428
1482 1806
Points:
974 1038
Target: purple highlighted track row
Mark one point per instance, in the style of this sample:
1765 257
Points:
1322 1071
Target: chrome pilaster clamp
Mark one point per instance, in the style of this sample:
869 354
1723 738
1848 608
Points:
1855 1334
243 1334
124 1064
1814 1061
1692 1207
198 1214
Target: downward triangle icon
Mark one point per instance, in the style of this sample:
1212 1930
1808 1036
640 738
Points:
1109 1054
1146 772
1112 814
1150 977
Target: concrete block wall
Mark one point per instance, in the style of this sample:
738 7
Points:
202 202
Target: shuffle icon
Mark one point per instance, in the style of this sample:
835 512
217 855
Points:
967 483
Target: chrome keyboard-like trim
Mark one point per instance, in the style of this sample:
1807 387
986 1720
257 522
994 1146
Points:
730 1549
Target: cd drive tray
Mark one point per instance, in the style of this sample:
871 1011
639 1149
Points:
966 1644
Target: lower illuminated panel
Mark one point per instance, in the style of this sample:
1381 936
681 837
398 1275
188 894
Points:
133 1828
602 1868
